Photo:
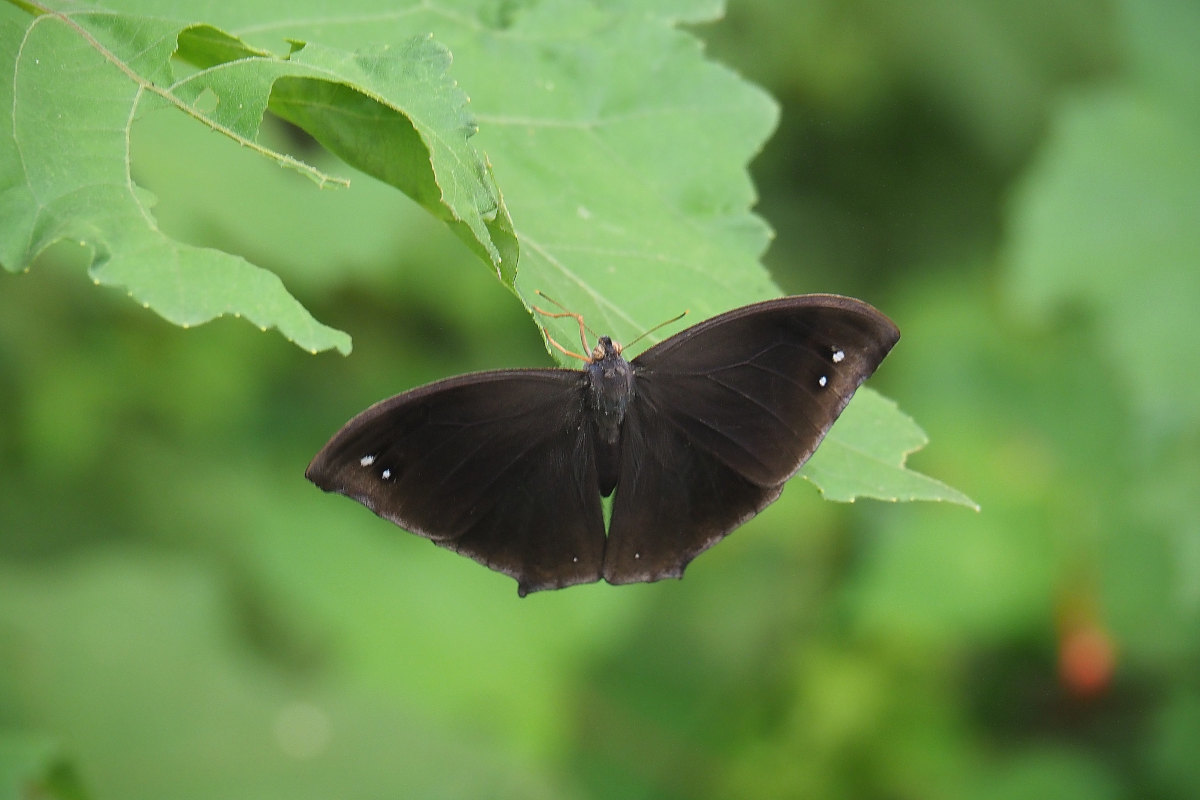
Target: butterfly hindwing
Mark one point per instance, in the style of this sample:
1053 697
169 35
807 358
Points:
498 466
723 414
672 501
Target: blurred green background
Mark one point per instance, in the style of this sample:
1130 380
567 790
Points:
1016 183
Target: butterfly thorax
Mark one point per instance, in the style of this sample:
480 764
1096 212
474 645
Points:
610 385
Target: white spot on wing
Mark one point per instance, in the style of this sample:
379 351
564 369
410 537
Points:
367 461
822 381
838 355
387 473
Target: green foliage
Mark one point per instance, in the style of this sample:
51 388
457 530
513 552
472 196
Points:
33 767
67 167
182 616
1130 259
584 111
1105 223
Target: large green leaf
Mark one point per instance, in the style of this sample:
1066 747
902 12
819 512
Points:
620 148
78 81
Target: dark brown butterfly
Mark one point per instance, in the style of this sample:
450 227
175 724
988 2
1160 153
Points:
696 435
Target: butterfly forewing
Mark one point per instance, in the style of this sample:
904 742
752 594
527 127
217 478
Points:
723 414
498 466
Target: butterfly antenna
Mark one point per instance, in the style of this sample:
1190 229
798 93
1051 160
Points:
644 334
564 313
